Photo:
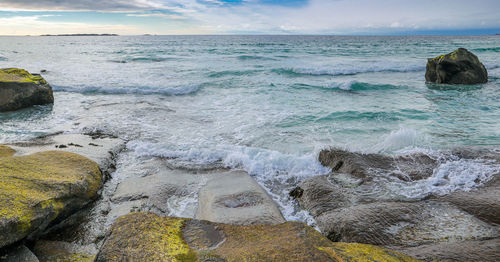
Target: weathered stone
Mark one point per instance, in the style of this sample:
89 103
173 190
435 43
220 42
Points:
235 198
20 89
484 203
480 250
39 189
148 237
458 67
403 224
410 167
19 254
49 251
103 151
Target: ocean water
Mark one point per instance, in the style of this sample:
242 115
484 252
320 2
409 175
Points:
263 104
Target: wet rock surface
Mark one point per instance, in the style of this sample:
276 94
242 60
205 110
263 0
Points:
369 198
20 89
457 67
148 237
235 198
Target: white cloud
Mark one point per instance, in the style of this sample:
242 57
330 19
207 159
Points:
26 25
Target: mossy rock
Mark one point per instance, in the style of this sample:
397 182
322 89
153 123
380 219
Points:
41 188
20 89
457 67
148 237
6 151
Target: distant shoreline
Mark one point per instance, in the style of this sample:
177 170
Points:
81 35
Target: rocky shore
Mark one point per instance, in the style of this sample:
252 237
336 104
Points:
50 213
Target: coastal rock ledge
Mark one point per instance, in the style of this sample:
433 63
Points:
458 67
20 89
148 237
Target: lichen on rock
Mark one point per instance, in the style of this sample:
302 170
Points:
40 188
148 237
457 67
20 89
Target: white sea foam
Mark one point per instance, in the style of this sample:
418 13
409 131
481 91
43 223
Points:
397 140
346 85
277 172
451 176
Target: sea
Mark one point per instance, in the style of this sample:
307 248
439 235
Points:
263 104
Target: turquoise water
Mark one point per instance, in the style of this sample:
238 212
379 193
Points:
264 104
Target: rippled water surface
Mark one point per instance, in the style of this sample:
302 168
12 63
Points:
265 104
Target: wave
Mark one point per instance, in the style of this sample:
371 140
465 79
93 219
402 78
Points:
352 85
450 176
488 49
348 70
233 73
140 60
143 90
253 57
277 172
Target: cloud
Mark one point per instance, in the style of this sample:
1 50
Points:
289 16
169 16
80 5
25 25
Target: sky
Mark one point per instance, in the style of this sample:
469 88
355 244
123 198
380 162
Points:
329 17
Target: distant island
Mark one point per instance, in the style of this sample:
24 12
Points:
81 35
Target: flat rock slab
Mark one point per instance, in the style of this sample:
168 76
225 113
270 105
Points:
160 193
102 150
148 237
236 198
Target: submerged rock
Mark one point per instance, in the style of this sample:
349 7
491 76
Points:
235 198
148 237
20 89
457 67
39 189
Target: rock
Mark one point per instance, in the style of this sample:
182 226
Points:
458 67
362 200
235 198
20 89
410 167
43 188
6 151
19 254
103 154
148 237
403 224
48 251
483 203
481 251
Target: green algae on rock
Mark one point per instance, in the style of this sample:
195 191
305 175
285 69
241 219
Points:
148 237
20 89
457 67
41 188
6 151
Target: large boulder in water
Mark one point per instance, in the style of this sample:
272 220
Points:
458 67
148 237
20 89
40 189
